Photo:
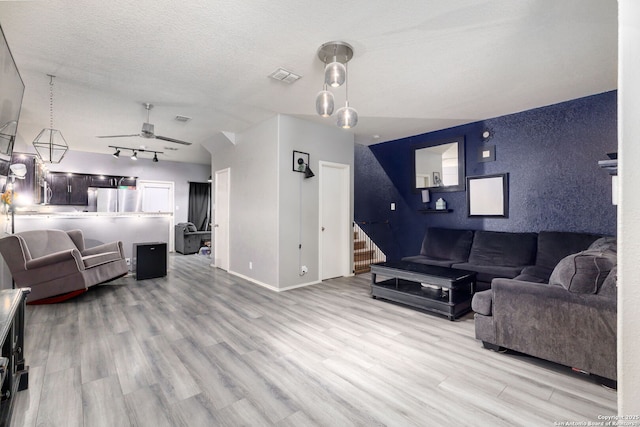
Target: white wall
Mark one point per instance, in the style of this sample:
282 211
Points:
265 197
325 143
253 227
178 172
628 207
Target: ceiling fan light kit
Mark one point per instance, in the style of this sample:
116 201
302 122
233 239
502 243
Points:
50 145
335 55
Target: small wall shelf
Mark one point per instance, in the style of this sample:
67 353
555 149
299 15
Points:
426 211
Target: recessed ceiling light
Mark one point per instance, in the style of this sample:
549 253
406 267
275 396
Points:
285 76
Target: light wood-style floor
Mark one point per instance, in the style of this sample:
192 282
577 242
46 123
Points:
205 348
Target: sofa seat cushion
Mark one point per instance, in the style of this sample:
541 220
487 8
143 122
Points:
496 248
90 261
583 272
481 302
421 259
486 273
535 273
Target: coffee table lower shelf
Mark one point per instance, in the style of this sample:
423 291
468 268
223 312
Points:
425 298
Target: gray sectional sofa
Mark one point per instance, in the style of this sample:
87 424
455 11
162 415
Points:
494 254
549 294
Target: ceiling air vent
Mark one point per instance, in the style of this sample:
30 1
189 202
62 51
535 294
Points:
285 76
182 118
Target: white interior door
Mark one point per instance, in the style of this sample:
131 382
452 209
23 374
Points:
334 220
221 219
158 196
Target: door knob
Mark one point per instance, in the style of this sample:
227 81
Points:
322 228
215 225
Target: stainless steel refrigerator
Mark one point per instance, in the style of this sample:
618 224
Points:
118 200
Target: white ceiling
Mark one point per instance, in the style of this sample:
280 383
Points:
419 65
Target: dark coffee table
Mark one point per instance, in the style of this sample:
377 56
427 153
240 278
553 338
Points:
450 292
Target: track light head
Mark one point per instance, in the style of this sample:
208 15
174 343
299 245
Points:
134 156
155 157
116 154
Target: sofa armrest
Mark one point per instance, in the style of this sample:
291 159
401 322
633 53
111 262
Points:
55 258
106 247
547 321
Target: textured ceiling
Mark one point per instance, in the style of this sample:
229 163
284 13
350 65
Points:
419 65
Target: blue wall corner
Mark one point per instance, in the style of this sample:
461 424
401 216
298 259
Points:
550 153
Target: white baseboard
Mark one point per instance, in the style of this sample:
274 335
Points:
271 287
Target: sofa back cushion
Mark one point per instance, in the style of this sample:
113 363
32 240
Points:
447 243
503 249
555 245
45 242
583 272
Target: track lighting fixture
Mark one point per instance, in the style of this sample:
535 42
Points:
335 56
135 151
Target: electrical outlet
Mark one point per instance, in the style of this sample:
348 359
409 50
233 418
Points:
393 206
304 269
128 260
250 265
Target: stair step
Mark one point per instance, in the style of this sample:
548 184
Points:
362 269
359 244
364 255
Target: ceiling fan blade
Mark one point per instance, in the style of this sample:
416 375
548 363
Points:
117 136
177 141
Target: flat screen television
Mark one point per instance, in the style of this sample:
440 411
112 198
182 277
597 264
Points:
11 92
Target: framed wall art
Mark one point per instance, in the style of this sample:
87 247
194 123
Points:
488 195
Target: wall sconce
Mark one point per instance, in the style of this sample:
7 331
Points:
301 164
335 55
134 152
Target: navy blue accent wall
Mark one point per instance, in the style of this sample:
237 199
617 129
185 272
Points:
551 155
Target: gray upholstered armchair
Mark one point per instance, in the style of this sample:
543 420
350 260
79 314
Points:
55 263
188 239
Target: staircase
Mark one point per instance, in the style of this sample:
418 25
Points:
365 251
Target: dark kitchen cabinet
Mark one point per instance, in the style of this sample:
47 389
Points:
68 189
110 181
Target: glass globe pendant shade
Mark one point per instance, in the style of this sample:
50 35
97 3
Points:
335 74
324 103
50 145
347 117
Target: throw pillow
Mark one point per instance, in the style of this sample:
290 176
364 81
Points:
609 287
604 244
583 272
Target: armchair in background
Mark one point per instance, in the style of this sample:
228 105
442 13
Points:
56 265
188 239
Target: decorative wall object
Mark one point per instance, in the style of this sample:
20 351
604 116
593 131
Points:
488 195
487 154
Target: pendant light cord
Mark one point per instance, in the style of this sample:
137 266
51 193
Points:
51 101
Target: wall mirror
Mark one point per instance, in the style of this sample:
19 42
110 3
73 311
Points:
439 165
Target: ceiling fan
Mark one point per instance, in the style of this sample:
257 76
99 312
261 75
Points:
147 131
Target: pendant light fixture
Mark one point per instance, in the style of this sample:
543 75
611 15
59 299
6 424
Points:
50 144
347 116
335 55
324 102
